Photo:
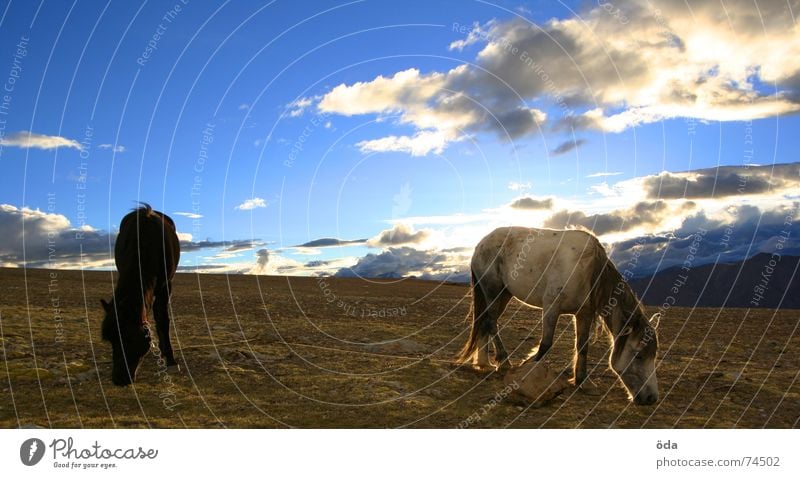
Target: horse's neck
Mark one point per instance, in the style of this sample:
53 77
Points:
131 291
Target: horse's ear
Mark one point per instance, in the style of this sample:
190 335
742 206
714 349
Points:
655 320
106 306
626 331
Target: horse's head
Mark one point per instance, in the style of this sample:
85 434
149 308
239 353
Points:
129 341
633 357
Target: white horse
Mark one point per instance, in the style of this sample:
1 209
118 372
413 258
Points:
562 272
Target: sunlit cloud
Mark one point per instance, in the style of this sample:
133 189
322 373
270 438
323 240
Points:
28 140
670 62
252 203
190 215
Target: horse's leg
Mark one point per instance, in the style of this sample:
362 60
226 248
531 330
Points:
552 310
583 330
161 315
497 305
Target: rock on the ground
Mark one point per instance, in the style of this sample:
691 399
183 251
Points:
535 383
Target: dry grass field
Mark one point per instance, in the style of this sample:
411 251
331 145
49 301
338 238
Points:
262 351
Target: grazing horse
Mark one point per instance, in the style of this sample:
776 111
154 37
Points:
562 272
146 253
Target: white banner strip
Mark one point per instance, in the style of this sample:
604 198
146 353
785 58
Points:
399 453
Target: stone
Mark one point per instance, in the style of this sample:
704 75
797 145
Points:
535 383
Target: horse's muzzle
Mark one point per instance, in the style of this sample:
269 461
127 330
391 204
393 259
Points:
645 398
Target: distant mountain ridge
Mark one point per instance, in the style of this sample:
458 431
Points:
760 281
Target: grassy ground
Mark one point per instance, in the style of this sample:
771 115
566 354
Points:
300 352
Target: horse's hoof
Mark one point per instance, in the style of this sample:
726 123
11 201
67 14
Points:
503 365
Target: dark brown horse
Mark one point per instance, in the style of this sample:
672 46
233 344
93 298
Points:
146 253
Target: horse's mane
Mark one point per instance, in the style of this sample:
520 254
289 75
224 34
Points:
607 283
143 208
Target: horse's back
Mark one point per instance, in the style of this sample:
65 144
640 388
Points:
533 263
147 242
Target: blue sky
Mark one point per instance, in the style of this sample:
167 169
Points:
420 125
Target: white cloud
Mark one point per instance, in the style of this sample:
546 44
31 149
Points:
603 174
420 144
399 234
436 104
667 61
190 215
244 107
27 140
253 203
116 149
298 107
519 186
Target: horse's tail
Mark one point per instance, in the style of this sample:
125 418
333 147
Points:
479 316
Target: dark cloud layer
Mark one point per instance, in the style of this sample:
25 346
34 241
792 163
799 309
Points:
642 213
331 242
723 181
532 203
34 238
405 262
567 146
701 240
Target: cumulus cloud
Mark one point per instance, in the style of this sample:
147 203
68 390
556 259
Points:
34 238
442 107
405 262
28 139
645 213
253 203
567 146
532 203
723 181
667 61
397 235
